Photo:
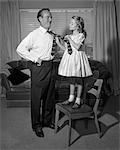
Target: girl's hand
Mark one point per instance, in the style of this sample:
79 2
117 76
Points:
60 43
68 37
57 40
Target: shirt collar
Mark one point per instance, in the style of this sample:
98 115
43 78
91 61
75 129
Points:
43 30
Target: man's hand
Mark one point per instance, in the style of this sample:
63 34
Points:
39 61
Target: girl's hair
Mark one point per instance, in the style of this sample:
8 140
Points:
80 23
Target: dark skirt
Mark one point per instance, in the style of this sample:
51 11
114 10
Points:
75 80
72 80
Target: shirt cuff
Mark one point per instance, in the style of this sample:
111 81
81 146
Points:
35 60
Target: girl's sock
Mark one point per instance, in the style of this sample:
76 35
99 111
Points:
77 100
71 98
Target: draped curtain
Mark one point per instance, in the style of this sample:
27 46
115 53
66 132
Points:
107 38
0 36
10 30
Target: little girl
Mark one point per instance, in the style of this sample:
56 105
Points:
74 64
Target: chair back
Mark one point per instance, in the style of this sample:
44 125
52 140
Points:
96 91
97 88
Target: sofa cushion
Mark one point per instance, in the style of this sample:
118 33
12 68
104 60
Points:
16 77
26 85
103 71
13 64
18 64
26 71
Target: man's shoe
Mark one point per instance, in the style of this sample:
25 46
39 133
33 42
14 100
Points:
39 132
51 125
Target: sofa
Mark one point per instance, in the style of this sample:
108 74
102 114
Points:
17 83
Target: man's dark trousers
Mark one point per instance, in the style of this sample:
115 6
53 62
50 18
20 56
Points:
42 89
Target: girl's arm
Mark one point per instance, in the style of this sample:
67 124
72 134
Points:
76 45
60 44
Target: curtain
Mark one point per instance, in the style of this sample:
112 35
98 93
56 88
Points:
10 30
107 38
0 36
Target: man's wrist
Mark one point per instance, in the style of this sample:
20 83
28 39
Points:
36 60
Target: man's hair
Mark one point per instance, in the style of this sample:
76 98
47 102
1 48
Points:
40 12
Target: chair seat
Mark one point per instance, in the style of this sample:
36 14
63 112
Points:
83 111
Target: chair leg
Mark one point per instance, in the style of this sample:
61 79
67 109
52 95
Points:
56 120
69 135
97 126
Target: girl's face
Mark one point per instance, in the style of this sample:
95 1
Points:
73 25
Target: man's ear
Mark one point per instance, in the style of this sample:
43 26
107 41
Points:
40 19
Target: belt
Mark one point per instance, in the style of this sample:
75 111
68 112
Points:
43 62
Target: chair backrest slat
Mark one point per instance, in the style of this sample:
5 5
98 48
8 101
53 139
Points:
96 92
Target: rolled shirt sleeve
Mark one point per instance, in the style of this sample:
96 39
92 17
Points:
37 44
25 47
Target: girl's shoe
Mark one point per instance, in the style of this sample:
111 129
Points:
75 106
67 102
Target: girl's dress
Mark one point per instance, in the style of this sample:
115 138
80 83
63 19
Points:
76 64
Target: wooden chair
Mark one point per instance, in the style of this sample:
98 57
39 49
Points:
85 111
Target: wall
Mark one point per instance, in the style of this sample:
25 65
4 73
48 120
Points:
31 4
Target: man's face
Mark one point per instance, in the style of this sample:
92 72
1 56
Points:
45 19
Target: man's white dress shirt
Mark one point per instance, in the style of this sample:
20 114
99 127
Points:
37 44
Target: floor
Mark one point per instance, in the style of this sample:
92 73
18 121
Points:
16 133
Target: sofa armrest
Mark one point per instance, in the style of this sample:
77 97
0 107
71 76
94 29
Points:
5 82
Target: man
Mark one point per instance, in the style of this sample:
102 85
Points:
37 48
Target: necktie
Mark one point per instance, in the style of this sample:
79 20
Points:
69 46
53 47
54 43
